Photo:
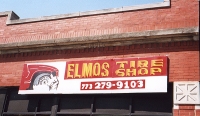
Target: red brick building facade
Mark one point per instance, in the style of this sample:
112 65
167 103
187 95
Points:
167 29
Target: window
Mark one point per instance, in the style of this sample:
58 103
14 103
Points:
137 104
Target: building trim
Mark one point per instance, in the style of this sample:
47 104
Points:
176 106
14 19
197 106
156 36
183 90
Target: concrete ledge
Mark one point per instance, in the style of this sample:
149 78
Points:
157 36
107 38
197 107
93 45
14 19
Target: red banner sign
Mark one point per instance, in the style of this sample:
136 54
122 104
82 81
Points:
126 67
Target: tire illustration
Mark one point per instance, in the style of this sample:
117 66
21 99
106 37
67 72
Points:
42 79
39 78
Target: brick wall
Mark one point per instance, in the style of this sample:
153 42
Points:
183 58
186 110
182 13
198 112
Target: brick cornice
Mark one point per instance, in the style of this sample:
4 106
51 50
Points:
156 36
92 50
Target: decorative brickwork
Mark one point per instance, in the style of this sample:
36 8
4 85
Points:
186 92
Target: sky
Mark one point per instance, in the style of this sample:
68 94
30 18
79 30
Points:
39 8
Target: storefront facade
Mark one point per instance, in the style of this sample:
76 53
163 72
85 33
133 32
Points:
138 61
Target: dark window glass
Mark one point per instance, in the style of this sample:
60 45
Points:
112 104
75 103
2 98
21 103
139 104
